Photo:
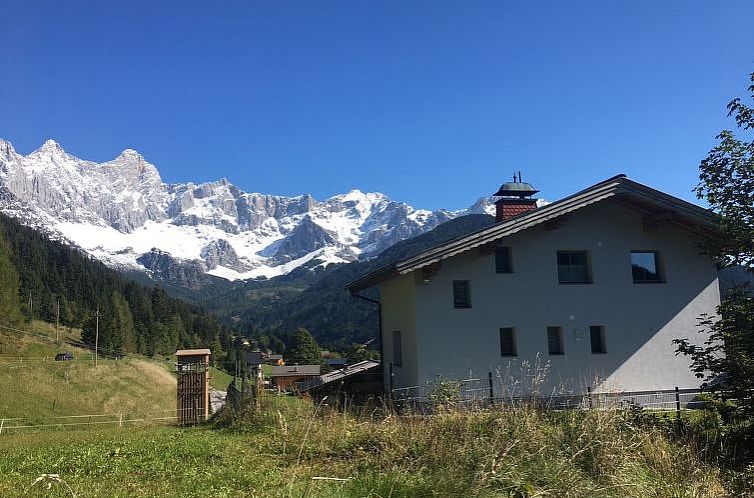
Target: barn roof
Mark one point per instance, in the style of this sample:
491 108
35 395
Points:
653 203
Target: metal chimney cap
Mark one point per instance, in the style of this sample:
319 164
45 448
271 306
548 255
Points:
515 189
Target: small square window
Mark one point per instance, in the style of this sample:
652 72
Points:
503 263
461 294
645 266
507 341
597 337
555 340
397 348
573 267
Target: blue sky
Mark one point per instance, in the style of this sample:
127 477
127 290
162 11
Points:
434 103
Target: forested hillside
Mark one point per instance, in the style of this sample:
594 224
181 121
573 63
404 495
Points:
38 277
271 310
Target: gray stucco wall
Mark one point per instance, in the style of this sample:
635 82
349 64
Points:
640 320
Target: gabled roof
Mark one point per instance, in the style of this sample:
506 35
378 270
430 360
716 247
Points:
192 352
295 370
628 192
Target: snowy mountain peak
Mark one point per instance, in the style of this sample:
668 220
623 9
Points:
51 144
130 153
122 213
50 147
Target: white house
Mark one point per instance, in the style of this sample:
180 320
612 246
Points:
592 288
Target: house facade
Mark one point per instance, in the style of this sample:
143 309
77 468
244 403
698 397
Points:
589 291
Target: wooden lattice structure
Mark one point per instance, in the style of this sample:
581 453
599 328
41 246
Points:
193 385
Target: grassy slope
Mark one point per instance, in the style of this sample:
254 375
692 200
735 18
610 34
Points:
219 379
37 387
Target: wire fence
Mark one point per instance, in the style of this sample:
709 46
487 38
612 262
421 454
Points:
121 420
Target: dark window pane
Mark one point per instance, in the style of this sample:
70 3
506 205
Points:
597 336
461 294
645 267
507 342
503 260
397 348
573 267
555 340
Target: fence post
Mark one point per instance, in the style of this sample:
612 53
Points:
677 406
2 423
589 396
120 423
390 380
492 391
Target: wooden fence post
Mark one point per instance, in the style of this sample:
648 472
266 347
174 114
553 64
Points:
677 406
589 396
120 423
2 423
492 391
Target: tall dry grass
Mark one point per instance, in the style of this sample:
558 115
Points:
497 451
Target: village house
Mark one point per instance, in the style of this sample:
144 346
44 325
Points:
284 378
591 289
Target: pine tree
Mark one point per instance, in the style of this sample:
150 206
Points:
122 324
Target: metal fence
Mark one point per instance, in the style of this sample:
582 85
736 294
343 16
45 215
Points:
477 392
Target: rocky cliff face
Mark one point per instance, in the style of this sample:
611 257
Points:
121 212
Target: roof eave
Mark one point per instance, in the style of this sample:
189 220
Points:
373 278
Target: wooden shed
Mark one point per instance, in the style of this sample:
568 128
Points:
192 391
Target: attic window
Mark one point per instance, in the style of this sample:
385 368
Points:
461 294
503 262
645 266
573 267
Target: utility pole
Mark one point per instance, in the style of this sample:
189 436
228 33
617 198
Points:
57 323
96 338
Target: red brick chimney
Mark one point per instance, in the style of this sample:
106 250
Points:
514 199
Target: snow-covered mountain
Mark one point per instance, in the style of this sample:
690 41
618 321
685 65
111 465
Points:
122 213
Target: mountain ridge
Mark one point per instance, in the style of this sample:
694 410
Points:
122 213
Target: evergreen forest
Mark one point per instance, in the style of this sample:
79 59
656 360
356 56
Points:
47 280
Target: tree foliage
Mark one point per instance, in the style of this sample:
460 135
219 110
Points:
305 350
727 184
10 310
726 359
